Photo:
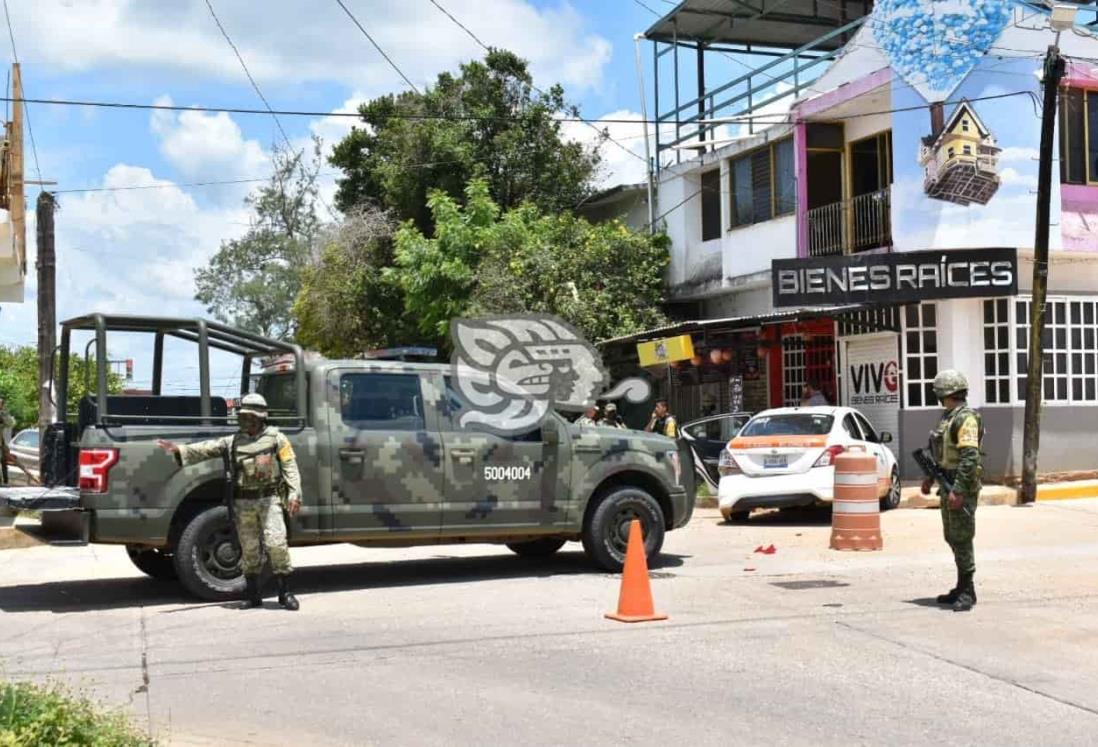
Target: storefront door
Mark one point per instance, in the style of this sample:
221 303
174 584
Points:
871 380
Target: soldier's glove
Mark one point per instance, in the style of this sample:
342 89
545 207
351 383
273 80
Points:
927 486
956 502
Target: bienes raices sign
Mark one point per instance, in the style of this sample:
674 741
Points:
874 383
910 277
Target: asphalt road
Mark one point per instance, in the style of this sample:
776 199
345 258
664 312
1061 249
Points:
472 645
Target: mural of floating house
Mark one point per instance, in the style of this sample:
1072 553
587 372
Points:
960 158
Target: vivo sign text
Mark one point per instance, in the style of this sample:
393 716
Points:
895 278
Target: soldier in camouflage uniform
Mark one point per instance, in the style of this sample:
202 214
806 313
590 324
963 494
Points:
590 416
956 446
266 471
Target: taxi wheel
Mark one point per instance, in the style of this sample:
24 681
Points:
892 500
606 532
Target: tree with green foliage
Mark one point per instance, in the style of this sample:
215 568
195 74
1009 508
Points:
252 281
19 382
346 306
488 121
605 279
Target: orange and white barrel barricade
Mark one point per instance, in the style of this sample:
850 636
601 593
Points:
856 507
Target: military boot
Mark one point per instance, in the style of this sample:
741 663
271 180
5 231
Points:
966 597
286 597
951 597
252 596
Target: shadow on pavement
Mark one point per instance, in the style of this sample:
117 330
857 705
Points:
930 602
799 516
82 595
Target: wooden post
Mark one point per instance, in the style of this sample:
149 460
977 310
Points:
1031 434
47 312
17 202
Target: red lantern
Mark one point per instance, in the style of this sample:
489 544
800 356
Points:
715 356
696 360
726 356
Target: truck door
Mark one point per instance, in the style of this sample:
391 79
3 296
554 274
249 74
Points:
386 454
503 482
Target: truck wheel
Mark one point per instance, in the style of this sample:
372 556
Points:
207 557
539 548
152 562
607 531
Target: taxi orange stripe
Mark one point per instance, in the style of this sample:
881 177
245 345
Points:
778 442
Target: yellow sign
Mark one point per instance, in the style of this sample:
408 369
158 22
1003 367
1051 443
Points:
661 352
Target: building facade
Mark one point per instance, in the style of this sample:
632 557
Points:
879 226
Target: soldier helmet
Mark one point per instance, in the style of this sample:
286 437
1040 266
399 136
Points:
253 404
610 407
949 382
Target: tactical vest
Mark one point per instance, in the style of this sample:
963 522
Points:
943 441
256 461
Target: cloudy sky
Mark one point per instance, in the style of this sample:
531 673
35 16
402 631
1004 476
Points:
133 250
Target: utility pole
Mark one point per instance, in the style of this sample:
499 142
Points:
647 149
1054 71
47 310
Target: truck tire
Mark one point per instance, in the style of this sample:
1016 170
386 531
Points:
606 534
152 562
207 556
539 548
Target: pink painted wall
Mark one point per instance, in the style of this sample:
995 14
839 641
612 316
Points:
1079 217
800 163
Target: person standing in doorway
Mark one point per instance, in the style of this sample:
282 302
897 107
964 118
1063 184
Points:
812 396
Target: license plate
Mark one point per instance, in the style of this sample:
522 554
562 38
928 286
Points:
776 461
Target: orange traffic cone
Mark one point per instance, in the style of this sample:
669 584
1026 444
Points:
635 599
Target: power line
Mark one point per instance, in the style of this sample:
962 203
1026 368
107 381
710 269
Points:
278 123
247 72
764 118
588 122
376 46
26 110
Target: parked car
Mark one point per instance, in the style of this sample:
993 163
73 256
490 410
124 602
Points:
786 457
23 457
707 437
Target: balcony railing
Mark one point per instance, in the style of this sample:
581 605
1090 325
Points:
855 225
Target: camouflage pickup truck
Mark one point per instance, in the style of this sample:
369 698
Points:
383 462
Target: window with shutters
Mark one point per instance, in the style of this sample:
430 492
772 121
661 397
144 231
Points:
763 184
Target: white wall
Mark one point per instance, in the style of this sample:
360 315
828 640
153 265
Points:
1068 273
750 249
856 128
961 342
742 303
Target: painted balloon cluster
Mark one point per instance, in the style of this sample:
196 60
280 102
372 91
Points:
934 44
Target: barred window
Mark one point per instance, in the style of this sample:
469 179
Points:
1069 370
997 352
1054 368
921 354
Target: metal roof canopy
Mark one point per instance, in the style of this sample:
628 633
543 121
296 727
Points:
204 333
735 322
783 24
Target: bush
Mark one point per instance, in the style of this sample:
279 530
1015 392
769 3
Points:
32 715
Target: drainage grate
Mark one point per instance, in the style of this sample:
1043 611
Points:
818 583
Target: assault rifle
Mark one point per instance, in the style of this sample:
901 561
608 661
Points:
228 461
930 467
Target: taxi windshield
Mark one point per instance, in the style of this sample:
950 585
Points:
791 424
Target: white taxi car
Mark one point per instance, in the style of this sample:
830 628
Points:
785 457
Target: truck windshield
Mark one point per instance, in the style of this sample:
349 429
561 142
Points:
280 391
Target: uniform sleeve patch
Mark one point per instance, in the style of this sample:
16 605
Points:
969 434
286 453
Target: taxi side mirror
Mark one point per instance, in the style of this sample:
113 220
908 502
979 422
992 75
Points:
886 437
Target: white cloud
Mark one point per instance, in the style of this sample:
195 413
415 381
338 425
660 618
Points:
1013 177
206 145
1017 153
288 42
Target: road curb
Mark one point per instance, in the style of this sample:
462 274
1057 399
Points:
1068 490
